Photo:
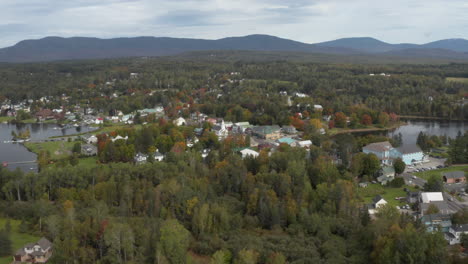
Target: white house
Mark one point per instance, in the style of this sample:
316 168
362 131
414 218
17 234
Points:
302 144
318 107
140 158
99 121
248 152
377 202
180 121
92 139
158 156
455 232
118 137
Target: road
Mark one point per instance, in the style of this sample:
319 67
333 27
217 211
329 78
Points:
410 179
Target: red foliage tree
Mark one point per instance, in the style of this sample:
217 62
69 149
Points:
366 120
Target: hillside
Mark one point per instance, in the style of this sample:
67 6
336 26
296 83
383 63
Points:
57 48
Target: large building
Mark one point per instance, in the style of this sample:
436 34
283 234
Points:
387 153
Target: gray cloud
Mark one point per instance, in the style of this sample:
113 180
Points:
304 20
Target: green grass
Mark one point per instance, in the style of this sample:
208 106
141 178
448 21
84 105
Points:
457 79
57 149
6 119
89 162
18 239
389 194
439 173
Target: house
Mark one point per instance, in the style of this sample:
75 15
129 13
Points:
454 177
119 137
88 150
45 114
289 130
38 252
248 152
91 139
99 121
303 144
158 156
205 153
381 150
240 127
377 202
387 174
180 121
436 222
140 158
363 184
409 154
318 107
267 132
454 234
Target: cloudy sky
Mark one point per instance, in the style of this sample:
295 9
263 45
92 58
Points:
311 21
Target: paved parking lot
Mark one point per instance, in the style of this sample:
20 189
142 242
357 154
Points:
432 163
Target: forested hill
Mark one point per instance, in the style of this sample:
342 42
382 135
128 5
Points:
57 48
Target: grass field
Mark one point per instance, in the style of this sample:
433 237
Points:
5 119
456 79
427 174
88 162
18 239
57 149
389 194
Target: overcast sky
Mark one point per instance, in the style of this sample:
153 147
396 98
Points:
310 21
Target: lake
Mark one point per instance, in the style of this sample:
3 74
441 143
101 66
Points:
411 131
16 152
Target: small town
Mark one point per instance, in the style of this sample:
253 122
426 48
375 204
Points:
233 132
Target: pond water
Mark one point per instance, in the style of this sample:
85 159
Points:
16 152
411 131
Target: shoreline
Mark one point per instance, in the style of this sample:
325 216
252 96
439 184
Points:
373 129
432 118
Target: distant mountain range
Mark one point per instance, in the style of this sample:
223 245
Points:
57 48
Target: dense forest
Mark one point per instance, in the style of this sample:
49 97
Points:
289 207
421 90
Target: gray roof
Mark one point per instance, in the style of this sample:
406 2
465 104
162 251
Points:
377 198
408 149
436 217
379 146
454 174
442 205
44 243
460 228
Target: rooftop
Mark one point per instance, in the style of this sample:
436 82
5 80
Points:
378 147
454 174
428 197
408 149
460 228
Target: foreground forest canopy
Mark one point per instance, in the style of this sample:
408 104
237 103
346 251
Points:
423 90
290 205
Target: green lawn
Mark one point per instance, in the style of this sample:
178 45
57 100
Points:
389 194
89 162
456 79
57 149
427 174
5 119
18 239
